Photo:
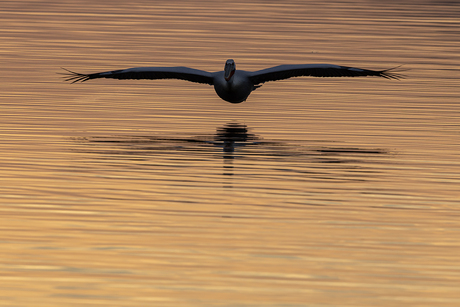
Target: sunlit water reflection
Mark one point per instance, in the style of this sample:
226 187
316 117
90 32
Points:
313 192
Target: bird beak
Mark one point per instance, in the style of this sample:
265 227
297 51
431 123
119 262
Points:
229 74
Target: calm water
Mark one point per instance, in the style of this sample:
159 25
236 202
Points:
314 192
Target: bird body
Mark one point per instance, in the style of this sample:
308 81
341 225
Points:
234 85
237 89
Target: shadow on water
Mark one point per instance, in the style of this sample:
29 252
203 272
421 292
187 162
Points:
234 142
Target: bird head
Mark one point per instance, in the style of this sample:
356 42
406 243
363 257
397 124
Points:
229 70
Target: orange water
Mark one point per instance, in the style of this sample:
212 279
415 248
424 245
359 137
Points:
314 192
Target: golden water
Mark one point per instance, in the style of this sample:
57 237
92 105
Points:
314 192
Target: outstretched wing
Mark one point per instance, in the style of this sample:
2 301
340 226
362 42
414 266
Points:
317 70
151 73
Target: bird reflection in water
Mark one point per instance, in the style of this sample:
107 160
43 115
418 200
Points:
234 135
230 137
234 141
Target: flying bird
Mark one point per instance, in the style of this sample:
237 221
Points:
234 85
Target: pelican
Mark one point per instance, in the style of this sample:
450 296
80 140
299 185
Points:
230 84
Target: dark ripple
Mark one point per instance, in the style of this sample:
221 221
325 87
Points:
243 151
231 138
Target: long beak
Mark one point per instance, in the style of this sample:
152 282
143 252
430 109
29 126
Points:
229 74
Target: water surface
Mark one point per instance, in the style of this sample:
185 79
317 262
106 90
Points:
314 192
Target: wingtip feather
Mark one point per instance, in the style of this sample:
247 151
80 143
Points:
393 73
74 76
